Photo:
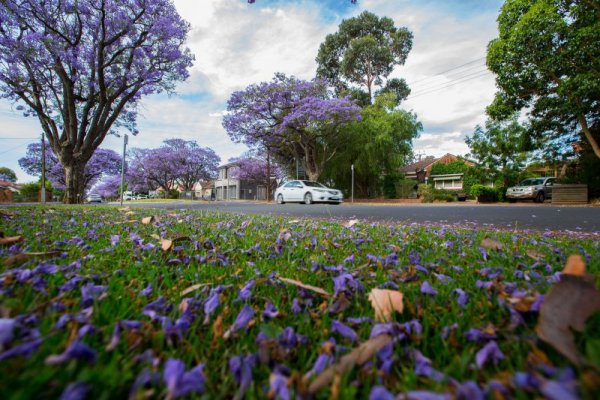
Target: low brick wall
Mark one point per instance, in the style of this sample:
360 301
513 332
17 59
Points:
570 194
6 196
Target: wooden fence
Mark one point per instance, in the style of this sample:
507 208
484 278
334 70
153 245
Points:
569 194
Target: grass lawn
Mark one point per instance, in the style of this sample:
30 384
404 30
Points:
111 314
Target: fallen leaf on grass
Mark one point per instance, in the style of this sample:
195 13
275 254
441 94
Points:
384 302
5 214
148 220
304 286
10 240
193 287
570 302
350 223
360 355
124 209
491 244
23 257
536 255
575 265
167 244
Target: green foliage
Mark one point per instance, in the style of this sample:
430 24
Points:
378 145
586 172
547 61
173 194
31 191
454 167
484 193
439 195
363 52
389 185
405 188
8 174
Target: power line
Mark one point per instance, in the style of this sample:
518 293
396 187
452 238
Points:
447 86
463 74
448 70
13 148
17 138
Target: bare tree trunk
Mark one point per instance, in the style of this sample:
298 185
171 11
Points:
74 183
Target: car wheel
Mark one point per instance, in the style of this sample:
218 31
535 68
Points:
308 198
540 197
280 199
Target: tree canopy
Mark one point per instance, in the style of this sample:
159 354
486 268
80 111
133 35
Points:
363 52
82 67
291 118
7 174
547 62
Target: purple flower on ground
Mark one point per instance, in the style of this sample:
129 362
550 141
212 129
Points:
537 303
241 321
359 320
70 284
442 278
423 366
463 297
427 289
246 291
91 292
270 311
278 384
484 285
447 329
7 326
75 391
344 330
323 361
23 349
241 369
76 351
144 378
296 309
469 391
556 390
345 283
380 393
147 291
211 304
114 240
181 383
393 329
425 395
489 352
477 335
385 358
349 259
525 381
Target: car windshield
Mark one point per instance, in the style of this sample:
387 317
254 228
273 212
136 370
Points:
532 182
313 184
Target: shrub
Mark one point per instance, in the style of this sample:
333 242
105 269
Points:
405 188
439 195
173 194
389 185
484 193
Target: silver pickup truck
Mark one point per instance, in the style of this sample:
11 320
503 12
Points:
538 189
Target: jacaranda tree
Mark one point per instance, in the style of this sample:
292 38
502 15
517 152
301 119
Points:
177 163
104 162
82 66
291 118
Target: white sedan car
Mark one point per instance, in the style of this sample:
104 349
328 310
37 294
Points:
307 192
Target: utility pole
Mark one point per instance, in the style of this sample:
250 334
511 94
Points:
43 169
123 167
352 168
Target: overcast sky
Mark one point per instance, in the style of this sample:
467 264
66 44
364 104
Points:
237 44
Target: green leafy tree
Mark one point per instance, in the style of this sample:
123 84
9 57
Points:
547 61
497 147
8 174
364 52
377 146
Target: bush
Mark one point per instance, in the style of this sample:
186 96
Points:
389 185
405 188
439 195
484 193
173 194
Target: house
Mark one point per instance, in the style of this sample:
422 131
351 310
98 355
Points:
421 172
204 189
229 187
7 190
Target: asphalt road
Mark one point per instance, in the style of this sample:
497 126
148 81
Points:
520 216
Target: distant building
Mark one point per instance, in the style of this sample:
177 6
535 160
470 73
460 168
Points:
421 172
7 189
228 187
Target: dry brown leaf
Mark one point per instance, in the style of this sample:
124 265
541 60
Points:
536 255
575 265
491 244
124 209
166 244
358 356
148 220
570 302
10 240
304 286
192 288
23 257
350 223
5 214
384 302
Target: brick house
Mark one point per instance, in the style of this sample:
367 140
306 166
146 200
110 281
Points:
421 172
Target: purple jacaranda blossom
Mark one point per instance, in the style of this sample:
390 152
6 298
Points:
127 325
477 335
91 292
7 326
447 329
389 285
423 366
45 269
414 257
70 284
495 388
278 383
516 319
391 259
288 339
143 379
469 390
75 391
85 330
23 349
270 311
557 390
423 395
147 291
246 291
489 352
442 278
241 321
345 283
76 351
525 381
537 303
148 246
157 308
296 309
211 304
325 358
349 259
380 393
344 330
484 253
427 289
463 297
393 329
359 320
385 358
181 383
114 240
241 369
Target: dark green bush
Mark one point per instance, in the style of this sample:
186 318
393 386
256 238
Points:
439 195
484 193
405 188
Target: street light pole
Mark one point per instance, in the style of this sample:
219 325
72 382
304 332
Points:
123 167
352 168
43 169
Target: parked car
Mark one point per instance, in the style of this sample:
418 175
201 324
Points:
307 192
94 198
536 189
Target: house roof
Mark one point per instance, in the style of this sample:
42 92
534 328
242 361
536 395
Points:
419 165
